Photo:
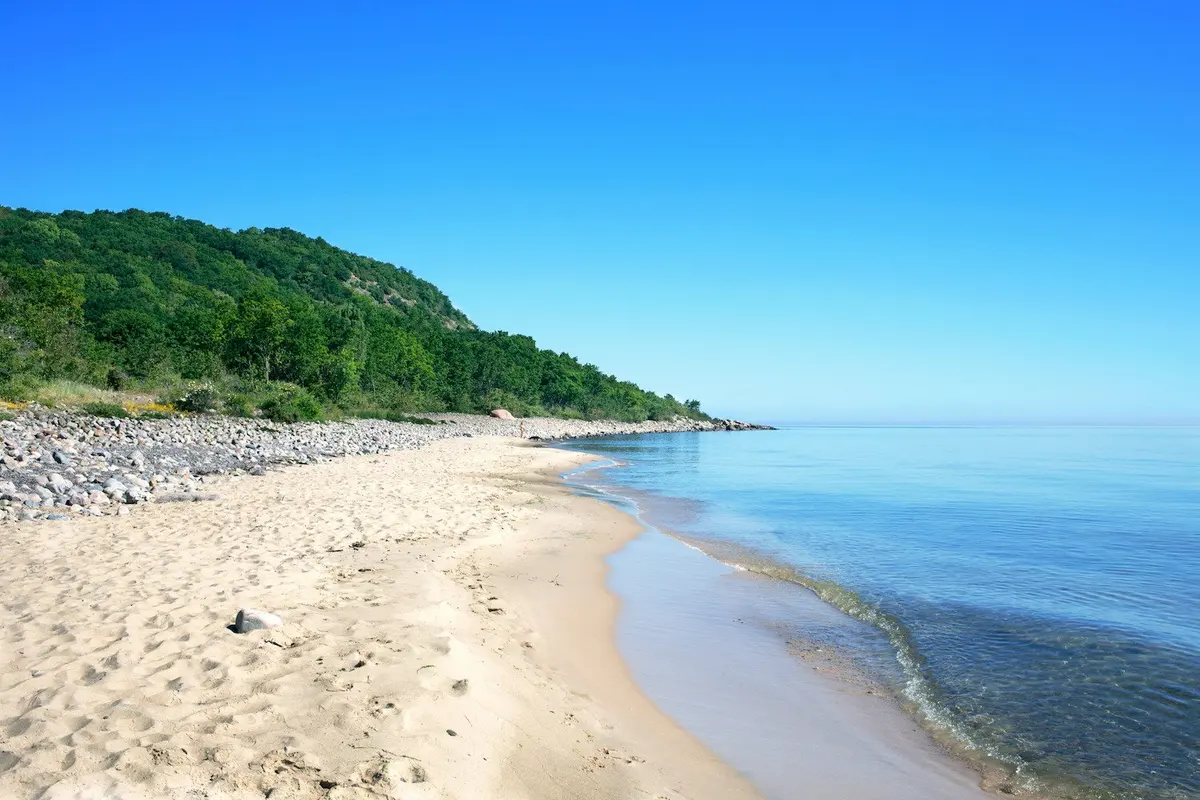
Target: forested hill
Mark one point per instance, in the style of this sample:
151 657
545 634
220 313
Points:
148 300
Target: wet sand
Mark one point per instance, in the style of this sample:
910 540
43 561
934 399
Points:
716 648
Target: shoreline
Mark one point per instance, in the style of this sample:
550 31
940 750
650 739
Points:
712 599
446 634
450 630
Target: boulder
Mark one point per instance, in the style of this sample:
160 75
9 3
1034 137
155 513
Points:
250 619
502 413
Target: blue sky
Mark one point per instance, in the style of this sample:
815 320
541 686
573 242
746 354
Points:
925 211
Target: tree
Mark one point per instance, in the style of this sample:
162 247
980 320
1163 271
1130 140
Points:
259 332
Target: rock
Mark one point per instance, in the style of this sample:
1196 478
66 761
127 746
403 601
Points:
134 495
501 413
138 459
250 619
56 517
258 470
113 483
61 458
58 484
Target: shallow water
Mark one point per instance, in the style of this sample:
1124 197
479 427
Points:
1035 592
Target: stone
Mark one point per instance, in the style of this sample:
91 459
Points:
58 484
61 458
56 517
250 619
501 413
138 459
134 495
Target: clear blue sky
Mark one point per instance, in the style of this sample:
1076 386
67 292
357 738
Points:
822 211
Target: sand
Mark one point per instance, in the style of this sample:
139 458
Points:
447 635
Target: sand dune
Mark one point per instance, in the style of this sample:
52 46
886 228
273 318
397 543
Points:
403 668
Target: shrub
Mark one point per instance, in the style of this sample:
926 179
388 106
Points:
198 400
102 409
239 405
117 379
293 404
5 416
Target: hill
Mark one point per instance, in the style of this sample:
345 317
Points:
269 318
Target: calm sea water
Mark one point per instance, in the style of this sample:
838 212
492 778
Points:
1037 589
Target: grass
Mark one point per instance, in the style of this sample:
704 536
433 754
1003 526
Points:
94 400
103 409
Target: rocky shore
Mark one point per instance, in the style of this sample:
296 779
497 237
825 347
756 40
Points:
60 464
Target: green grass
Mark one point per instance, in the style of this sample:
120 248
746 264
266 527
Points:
102 409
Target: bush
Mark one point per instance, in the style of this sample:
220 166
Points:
239 405
102 409
198 400
116 379
6 416
293 404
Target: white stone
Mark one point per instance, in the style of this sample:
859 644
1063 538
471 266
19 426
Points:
250 619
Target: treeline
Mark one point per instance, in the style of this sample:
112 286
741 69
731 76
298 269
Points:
151 300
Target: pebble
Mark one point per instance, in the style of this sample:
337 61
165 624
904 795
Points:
108 465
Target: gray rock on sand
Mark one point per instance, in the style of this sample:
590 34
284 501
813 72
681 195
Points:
250 619
502 413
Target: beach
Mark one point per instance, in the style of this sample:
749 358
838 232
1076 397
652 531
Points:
447 633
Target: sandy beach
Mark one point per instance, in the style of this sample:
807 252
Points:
447 634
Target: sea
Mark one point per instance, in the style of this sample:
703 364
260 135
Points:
1028 596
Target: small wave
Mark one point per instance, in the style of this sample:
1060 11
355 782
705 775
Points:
919 694
920 690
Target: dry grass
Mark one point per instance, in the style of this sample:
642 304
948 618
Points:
72 394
